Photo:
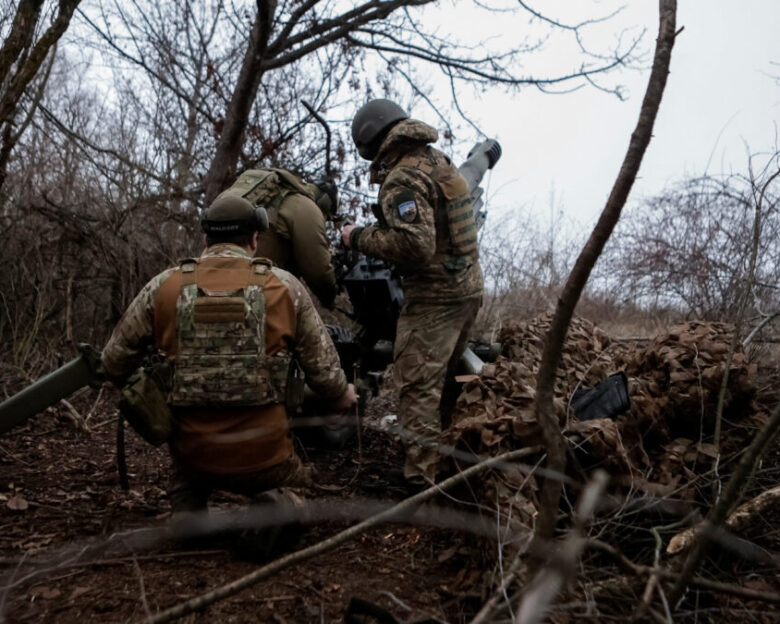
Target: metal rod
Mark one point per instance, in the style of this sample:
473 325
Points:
325 125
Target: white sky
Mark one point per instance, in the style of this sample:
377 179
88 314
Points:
720 95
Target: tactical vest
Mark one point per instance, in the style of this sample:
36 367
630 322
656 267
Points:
456 228
221 358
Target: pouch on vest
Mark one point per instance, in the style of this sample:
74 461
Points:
221 359
296 384
457 197
460 214
144 405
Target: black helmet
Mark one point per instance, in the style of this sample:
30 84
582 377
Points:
230 213
328 201
371 124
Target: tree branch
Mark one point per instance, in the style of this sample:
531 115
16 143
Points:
719 511
237 114
403 509
640 139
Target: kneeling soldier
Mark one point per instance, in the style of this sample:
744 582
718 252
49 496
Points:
231 325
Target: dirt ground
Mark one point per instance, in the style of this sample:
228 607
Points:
60 492
66 527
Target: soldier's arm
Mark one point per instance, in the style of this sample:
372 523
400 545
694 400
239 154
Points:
408 236
133 334
313 348
311 249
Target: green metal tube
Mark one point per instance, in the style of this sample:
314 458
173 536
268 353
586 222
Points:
49 389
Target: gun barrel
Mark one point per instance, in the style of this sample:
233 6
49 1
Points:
481 158
471 362
49 389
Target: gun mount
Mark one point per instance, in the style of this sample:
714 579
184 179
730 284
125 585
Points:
374 289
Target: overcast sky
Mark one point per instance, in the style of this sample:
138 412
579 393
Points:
720 95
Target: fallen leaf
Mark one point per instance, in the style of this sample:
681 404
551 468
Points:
447 554
47 593
78 591
17 503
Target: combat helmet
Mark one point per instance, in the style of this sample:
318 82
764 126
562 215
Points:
371 124
231 214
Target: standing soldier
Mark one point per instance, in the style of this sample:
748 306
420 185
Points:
426 228
230 325
297 210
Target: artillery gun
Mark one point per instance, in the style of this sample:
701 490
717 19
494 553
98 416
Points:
375 292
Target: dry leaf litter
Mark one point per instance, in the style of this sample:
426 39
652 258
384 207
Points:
657 447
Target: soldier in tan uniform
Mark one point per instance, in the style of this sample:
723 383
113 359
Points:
295 239
425 227
231 325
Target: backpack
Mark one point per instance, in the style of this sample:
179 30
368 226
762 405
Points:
268 187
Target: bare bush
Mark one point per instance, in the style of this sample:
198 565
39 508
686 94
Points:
689 247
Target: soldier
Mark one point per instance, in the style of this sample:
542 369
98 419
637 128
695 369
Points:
231 325
296 239
426 228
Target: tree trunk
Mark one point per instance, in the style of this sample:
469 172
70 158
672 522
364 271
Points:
20 36
26 17
237 116
640 139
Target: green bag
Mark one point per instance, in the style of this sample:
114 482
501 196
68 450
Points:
145 406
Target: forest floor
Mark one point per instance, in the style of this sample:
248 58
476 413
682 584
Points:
69 534
60 492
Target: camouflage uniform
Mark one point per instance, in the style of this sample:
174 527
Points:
297 242
442 278
239 447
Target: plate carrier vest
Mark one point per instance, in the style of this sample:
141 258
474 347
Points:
461 225
221 358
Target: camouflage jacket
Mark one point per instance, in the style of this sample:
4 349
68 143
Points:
311 344
412 230
297 243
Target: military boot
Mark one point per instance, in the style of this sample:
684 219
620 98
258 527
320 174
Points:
266 543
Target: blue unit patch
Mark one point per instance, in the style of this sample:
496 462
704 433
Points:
407 210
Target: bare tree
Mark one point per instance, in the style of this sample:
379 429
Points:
21 59
307 37
640 139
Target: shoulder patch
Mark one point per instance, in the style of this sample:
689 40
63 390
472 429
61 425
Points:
406 206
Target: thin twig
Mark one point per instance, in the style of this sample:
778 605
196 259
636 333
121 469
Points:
142 588
403 509
638 569
738 329
718 513
562 565
578 278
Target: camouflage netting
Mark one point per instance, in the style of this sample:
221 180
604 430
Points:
655 447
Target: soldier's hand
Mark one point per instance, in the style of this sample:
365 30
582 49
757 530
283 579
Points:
346 400
345 232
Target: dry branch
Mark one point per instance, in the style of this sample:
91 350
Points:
640 139
730 495
244 92
562 566
736 521
746 292
638 569
404 509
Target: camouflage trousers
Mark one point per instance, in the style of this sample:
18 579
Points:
430 340
190 491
